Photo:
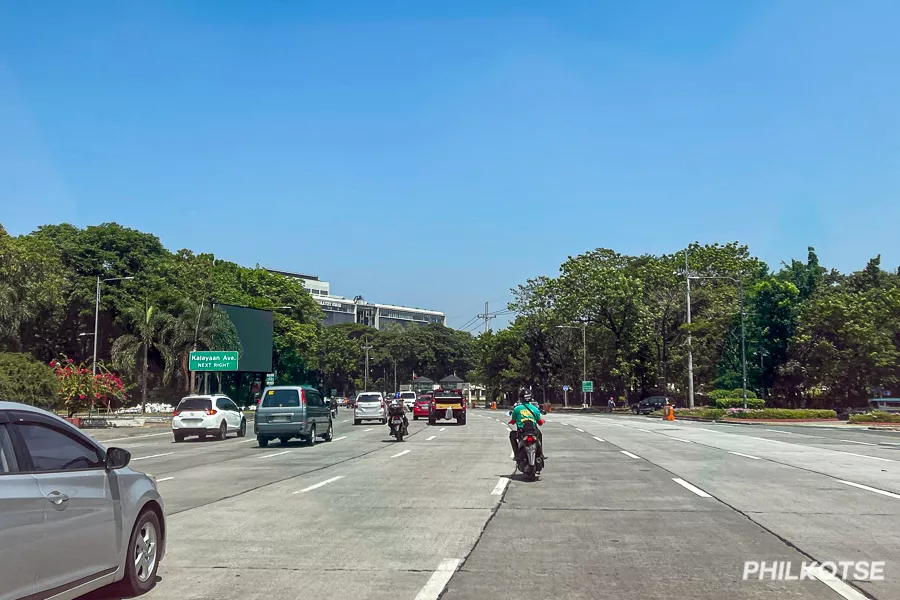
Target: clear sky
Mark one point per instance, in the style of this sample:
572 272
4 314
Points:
435 154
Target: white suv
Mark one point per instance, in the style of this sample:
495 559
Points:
207 415
370 406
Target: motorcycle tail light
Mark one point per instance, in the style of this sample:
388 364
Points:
530 439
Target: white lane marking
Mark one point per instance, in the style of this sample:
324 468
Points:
152 456
501 485
579 430
834 583
318 485
691 487
369 429
709 430
246 441
401 453
681 439
855 442
345 421
438 580
627 453
777 431
745 455
271 455
164 479
766 440
134 437
644 430
343 437
866 456
445 429
871 489
598 439
428 439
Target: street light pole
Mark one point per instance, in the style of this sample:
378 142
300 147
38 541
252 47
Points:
367 347
690 354
740 285
97 315
584 402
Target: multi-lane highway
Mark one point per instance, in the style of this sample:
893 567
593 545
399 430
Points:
628 507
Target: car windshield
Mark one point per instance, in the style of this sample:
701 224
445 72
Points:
281 399
369 398
408 395
194 404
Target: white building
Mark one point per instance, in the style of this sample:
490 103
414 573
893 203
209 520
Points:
311 283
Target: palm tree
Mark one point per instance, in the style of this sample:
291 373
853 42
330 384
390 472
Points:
200 327
148 328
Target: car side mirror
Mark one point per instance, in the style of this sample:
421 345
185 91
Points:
117 458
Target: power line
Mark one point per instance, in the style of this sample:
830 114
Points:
487 316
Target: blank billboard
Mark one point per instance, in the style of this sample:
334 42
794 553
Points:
254 328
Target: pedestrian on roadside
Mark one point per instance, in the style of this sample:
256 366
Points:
611 404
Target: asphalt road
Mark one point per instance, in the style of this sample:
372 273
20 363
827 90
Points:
628 507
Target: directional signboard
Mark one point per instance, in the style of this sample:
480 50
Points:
587 386
213 361
565 388
270 379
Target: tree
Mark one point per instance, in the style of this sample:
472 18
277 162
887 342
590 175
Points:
148 332
198 327
26 380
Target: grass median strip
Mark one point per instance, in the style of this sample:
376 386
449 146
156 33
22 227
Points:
318 485
691 487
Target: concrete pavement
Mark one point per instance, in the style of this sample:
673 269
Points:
627 507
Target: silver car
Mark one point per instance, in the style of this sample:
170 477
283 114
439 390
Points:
73 516
370 406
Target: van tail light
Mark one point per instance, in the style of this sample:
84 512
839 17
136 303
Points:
176 413
211 411
529 439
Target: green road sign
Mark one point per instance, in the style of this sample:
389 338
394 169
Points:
214 361
333 392
587 386
270 379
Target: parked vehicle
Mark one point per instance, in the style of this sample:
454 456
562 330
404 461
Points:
73 516
422 407
286 412
648 405
370 406
890 405
207 415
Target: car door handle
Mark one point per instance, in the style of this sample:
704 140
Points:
57 498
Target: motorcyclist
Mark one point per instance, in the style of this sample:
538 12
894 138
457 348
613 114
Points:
524 411
396 407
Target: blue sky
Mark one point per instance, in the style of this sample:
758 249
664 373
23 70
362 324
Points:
435 154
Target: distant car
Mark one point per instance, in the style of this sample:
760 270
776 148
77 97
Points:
73 516
207 415
422 408
648 405
409 399
370 406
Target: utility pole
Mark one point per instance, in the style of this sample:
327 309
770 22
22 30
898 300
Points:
690 356
396 389
366 347
743 344
487 317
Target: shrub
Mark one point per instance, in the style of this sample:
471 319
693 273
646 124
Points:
737 402
876 417
780 413
26 380
701 413
721 394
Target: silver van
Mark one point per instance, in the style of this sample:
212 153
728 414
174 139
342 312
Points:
292 411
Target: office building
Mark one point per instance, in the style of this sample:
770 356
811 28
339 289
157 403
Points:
311 283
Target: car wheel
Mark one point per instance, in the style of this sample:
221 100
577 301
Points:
312 436
142 558
461 421
179 438
284 440
243 429
383 421
415 418
356 421
223 431
202 436
262 441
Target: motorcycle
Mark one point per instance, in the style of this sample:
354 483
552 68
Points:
529 459
398 427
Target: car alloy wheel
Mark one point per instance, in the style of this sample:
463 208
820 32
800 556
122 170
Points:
145 551
223 430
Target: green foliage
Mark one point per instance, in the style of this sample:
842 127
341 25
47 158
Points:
26 380
735 393
780 413
876 417
737 402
